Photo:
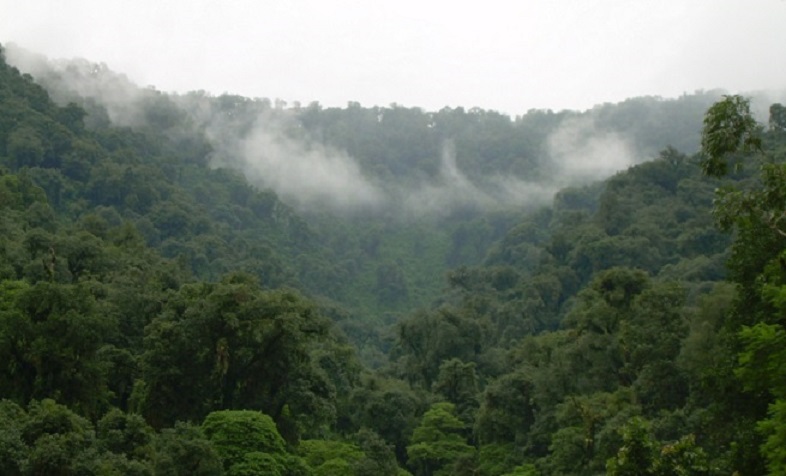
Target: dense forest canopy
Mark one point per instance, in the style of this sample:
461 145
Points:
197 284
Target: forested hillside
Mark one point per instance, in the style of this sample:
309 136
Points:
387 198
222 285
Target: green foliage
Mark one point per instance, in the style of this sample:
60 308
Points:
641 455
378 456
523 470
236 434
254 463
457 383
437 441
756 266
125 434
183 451
683 458
25 147
636 456
729 127
427 339
774 430
327 458
761 368
132 275
12 446
507 409
232 345
761 360
50 336
497 459
588 426
388 408
56 438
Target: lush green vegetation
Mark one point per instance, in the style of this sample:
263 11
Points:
163 311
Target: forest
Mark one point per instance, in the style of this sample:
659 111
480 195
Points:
219 285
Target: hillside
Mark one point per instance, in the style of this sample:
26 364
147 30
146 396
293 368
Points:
390 197
246 287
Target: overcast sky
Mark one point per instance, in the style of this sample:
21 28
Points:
509 56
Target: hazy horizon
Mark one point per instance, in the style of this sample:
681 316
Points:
504 57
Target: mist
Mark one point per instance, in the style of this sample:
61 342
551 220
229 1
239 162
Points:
262 141
77 80
314 177
306 175
452 190
581 153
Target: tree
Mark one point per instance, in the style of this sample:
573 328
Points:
125 434
762 368
183 450
642 455
652 337
427 339
637 454
231 345
378 459
683 457
249 443
50 337
12 447
587 431
778 117
757 215
235 433
508 408
729 127
328 458
56 437
457 382
25 147
438 442
389 408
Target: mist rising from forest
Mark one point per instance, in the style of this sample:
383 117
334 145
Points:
453 189
69 80
306 175
582 153
311 175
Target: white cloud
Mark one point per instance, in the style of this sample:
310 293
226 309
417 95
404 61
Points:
581 153
306 175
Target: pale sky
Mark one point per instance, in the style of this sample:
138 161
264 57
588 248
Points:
509 56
